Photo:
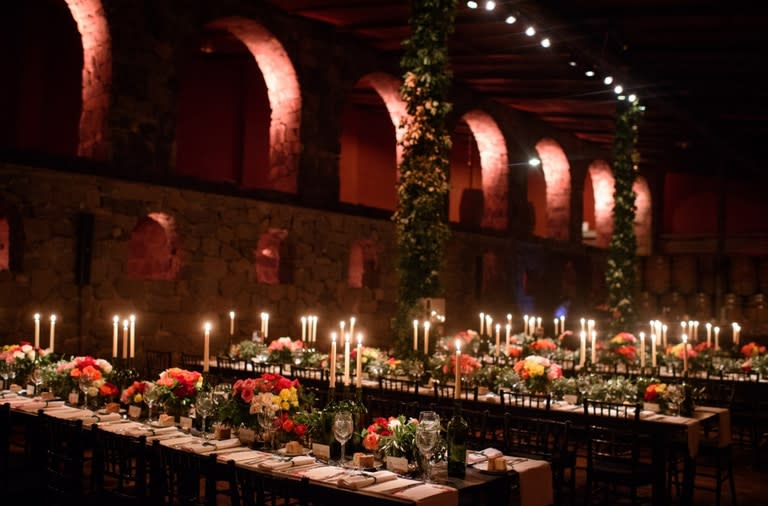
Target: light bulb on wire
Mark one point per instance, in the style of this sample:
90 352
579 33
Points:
510 20
490 5
619 89
545 42
608 80
530 31
472 4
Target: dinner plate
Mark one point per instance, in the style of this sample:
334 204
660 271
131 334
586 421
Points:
304 451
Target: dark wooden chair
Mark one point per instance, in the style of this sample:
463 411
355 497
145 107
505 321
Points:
120 467
5 443
62 443
407 388
543 439
619 460
191 361
468 392
156 361
510 398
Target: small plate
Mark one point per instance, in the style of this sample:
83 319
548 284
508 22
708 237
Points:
483 468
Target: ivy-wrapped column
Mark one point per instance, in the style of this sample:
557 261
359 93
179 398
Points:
622 252
421 217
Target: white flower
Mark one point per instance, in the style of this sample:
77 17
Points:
393 423
26 348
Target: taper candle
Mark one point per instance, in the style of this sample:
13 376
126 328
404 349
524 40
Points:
509 334
342 326
37 330
232 323
685 353
332 375
525 324
498 339
488 325
53 332
562 324
653 350
415 335
346 359
642 349
359 362
352 321
708 326
482 323
265 317
457 371
115 325
125 339
594 347
132 319
582 347
664 340
303 328
426 337
206 347
538 322
557 323
717 338
583 325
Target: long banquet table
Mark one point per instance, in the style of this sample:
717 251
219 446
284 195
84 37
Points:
311 478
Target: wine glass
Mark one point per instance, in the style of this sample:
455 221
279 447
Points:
342 430
265 418
429 419
5 371
151 396
221 393
204 405
85 383
426 441
37 379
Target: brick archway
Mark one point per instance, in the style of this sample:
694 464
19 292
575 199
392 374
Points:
284 98
557 175
602 190
154 249
96 76
493 161
388 88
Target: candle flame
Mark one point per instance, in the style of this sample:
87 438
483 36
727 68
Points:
132 318
359 338
207 326
116 319
125 324
458 345
232 315
53 318
333 336
37 317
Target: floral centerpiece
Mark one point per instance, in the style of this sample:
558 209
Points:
248 350
543 346
752 349
83 373
674 356
622 349
133 395
177 389
374 360
281 350
444 366
537 372
394 437
656 393
18 360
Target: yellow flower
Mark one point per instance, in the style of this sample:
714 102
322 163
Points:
138 398
285 406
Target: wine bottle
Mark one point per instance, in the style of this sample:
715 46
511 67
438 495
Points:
457 434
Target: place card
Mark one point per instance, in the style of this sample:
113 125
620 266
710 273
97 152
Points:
322 452
246 436
185 422
397 465
30 390
134 412
73 398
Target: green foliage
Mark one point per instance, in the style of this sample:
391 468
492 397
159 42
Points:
620 272
420 220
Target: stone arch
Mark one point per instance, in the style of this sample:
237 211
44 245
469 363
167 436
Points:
643 216
154 249
363 267
557 174
284 98
370 148
493 161
273 258
600 176
96 76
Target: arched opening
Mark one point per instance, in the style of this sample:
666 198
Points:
239 108
370 151
363 268
493 161
154 250
57 74
273 258
557 175
598 204
466 178
643 216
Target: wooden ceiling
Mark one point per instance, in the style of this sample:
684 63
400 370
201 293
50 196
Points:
695 64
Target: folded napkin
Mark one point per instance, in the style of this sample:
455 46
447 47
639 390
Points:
249 455
34 405
146 430
69 413
106 417
430 494
324 473
278 465
210 446
176 442
361 480
385 487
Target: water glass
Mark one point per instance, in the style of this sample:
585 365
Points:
342 430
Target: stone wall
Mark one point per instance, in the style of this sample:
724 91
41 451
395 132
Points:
217 237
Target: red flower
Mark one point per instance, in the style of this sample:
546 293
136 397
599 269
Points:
300 429
287 425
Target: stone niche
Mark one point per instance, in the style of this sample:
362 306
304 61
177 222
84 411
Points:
153 249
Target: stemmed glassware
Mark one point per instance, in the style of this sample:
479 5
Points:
151 396
86 384
37 378
204 406
266 421
5 372
426 441
221 393
429 419
342 430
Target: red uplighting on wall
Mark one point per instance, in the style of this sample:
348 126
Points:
493 160
557 175
268 256
96 76
643 216
154 250
284 98
602 189
363 265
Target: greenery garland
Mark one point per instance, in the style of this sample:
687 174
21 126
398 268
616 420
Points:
620 272
420 221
